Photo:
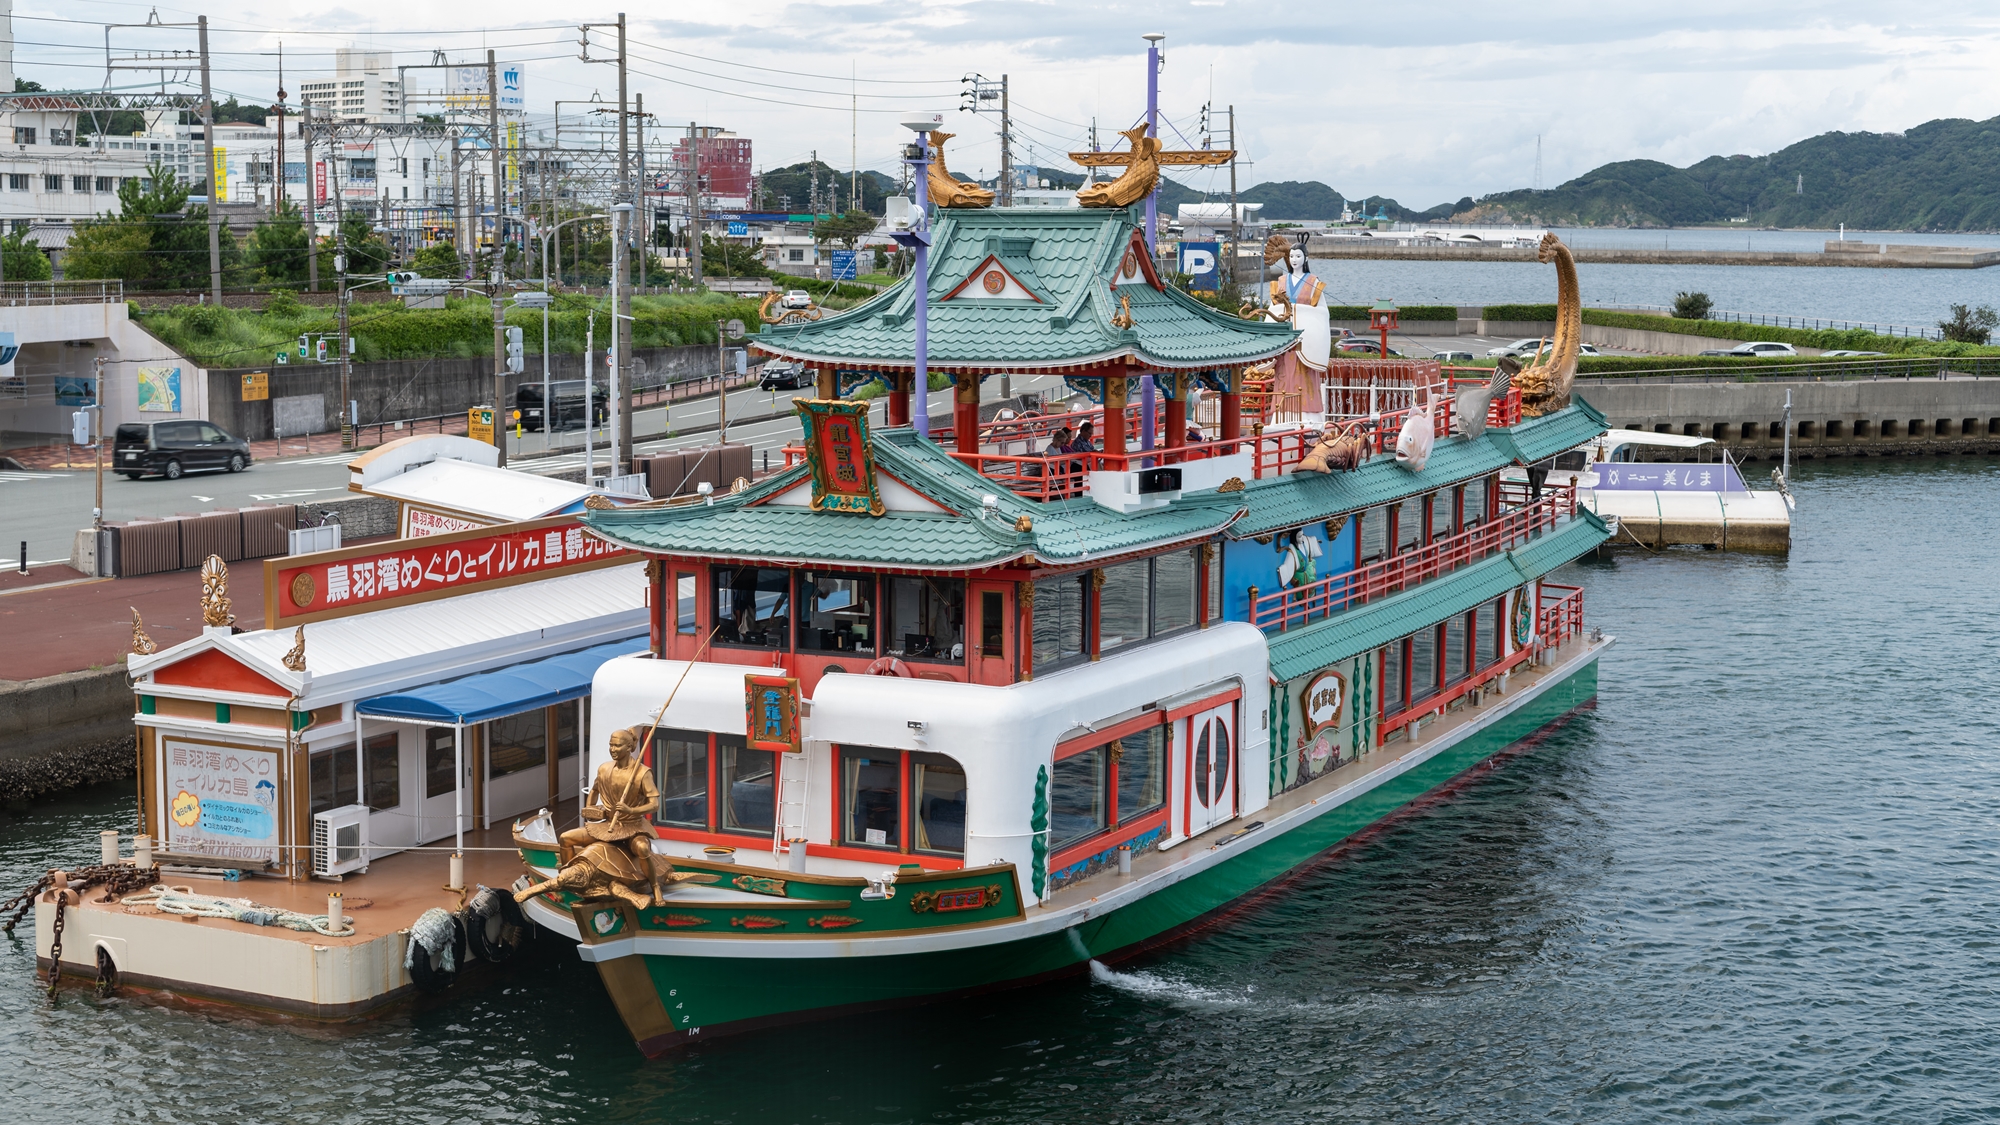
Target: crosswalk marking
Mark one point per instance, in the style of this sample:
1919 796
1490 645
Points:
9 476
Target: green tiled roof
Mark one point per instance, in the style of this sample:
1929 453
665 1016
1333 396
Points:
1066 257
742 526
1296 499
1305 650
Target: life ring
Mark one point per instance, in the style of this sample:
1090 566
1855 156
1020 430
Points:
493 925
434 969
889 666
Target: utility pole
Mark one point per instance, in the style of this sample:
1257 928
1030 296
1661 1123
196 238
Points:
208 146
1006 149
1235 213
643 237
278 177
621 456
346 364
493 293
312 207
694 202
1153 40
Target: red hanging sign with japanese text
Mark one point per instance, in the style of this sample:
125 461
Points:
380 575
837 450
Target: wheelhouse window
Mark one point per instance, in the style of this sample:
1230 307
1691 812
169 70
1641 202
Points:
748 780
871 797
937 788
517 742
1061 611
680 768
1125 604
925 618
1078 805
750 606
836 612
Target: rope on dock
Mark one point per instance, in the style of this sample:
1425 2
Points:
167 900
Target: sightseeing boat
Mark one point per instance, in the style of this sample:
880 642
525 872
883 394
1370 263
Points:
918 717
1671 490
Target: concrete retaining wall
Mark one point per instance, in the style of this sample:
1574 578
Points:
1852 418
54 713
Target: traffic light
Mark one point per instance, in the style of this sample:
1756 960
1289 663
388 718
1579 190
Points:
516 362
79 428
303 346
320 349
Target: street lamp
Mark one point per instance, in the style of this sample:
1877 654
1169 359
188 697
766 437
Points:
1153 59
544 306
918 238
617 402
1382 318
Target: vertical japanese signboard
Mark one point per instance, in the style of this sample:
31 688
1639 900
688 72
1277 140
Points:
843 466
221 800
479 424
771 713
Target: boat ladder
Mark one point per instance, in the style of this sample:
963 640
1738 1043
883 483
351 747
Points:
794 796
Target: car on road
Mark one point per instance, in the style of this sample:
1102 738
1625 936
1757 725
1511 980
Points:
1453 357
174 448
1519 348
1355 345
779 376
1753 350
796 299
566 411
1845 354
1587 349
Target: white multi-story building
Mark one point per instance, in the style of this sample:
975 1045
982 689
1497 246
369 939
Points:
364 87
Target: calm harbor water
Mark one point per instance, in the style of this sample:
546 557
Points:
1915 298
1761 882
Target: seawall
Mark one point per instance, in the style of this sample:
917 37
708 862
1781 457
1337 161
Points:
1847 418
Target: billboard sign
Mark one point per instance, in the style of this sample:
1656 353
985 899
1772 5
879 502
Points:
845 265
1202 261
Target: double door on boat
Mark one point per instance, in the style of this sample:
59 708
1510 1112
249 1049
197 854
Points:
1204 752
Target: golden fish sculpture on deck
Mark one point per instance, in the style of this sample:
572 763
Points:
1545 384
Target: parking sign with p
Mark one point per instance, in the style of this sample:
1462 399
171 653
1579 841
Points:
1202 261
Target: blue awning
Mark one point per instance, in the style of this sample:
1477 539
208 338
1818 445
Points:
506 691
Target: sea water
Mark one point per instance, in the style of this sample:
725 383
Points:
1759 882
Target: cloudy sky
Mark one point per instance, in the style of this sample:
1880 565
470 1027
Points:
1425 102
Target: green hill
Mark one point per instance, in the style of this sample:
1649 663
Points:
1943 175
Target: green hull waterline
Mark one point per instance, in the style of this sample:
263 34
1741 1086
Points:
707 996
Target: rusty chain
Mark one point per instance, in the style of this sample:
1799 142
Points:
118 879
55 950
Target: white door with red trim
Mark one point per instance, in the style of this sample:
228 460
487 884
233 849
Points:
1208 767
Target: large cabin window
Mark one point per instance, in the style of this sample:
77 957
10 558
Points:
1095 788
1373 542
937 787
748 780
1125 604
680 768
750 606
1078 805
1495 631
1423 664
871 797
1409 524
1457 657
1141 761
1061 612
1444 517
836 612
1176 591
1392 678
925 618
1475 502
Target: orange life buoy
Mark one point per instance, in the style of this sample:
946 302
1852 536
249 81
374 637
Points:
889 666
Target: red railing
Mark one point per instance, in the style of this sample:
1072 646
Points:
1557 621
1560 616
1284 608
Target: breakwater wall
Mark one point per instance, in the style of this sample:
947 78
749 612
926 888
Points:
1843 418
1926 257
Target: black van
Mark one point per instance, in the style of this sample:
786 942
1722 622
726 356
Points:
568 410
173 448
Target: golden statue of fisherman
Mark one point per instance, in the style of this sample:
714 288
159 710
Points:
617 820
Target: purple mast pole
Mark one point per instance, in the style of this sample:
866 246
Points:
1153 39
918 238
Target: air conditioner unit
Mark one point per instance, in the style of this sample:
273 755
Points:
340 840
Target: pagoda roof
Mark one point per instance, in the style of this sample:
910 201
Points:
1063 272
944 527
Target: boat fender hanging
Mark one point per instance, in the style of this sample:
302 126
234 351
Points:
435 950
493 925
889 666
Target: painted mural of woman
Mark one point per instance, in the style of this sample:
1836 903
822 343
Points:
1296 553
1299 298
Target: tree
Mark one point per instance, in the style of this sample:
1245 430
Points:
280 248
154 241
23 86
1692 306
1969 325
844 229
366 252
720 258
24 260
439 259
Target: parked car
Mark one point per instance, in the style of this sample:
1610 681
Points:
1357 345
1845 354
1453 357
567 412
1519 348
784 377
796 299
1753 350
1587 349
173 448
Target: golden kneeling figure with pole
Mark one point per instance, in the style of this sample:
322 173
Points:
612 853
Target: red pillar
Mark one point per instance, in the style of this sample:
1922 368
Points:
1177 420
899 399
1114 411
1232 415
965 412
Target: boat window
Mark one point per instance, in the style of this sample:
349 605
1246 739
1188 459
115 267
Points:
516 743
333 784
750 780
382 770
1475 502
1571 461
1060 610
871 797
1374 534
1444 516
1176 589
938 786
1410 524
925 619
750 606
680 769
1495 631
836 612
1124 604
1392 678
992 623
1213 608
440 761
1077 798
1141 761
1423 664
567 729
684 595
1457 662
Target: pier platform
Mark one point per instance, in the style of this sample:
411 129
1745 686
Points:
1862 255
272 968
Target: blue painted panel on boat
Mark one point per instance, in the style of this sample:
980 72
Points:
1291 558
1643 477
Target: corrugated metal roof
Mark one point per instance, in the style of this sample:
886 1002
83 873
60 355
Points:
1305 650
1067 257
504 495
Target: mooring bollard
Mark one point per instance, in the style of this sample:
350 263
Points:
107 844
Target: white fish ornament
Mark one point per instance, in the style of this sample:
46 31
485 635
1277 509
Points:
1413 443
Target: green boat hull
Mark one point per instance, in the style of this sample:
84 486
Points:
669 1000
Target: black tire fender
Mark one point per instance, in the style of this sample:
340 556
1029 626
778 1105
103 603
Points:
493 925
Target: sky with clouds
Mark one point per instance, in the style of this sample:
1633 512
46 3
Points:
1424 102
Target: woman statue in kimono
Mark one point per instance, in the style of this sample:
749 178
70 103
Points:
1299 298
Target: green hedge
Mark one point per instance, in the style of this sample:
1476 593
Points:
1852 339
1404 315
1535 313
